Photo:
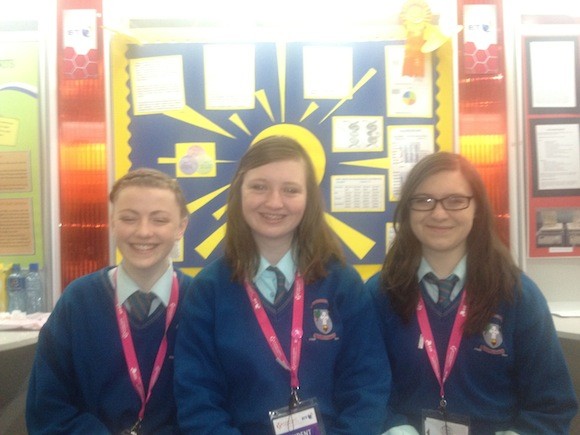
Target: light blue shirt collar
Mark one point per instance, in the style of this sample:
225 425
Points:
265 280
126 286
432 290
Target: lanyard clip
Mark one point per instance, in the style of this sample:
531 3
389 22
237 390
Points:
442 404
294 400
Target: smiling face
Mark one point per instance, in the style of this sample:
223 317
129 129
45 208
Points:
273 202
443 233
146 223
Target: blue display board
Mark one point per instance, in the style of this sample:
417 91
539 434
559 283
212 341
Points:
192 110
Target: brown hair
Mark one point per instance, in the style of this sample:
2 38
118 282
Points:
147 177
314 242
491 275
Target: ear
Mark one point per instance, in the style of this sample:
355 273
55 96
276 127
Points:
182 227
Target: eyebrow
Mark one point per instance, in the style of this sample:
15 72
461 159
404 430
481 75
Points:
441 197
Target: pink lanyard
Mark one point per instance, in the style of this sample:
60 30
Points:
270 334
452 348
129 348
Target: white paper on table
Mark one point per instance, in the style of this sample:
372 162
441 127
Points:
565 309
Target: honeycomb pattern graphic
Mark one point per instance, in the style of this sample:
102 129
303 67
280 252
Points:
80 66
478 61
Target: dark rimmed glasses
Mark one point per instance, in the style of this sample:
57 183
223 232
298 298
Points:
428 203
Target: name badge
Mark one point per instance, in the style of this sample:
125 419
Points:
437 422
303 419
135 429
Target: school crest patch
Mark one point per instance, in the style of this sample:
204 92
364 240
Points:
493 337
322 321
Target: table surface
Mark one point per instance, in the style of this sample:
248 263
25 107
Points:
566 326
566 315
15 338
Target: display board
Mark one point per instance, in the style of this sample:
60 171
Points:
552 131
191 109
21 232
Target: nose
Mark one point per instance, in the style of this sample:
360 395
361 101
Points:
274 198
439 210
144 228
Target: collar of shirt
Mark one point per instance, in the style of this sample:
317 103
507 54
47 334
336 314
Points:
126 286
432 290
265 280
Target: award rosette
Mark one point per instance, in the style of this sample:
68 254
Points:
416 17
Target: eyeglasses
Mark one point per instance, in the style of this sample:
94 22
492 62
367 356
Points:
427 203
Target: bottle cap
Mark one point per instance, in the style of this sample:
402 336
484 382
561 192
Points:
33 267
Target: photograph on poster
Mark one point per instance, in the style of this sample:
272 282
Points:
552 64
556 157
558 227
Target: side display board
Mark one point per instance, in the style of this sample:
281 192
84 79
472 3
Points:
21 236
552 131
192 109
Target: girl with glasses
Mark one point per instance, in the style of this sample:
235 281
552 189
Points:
470 338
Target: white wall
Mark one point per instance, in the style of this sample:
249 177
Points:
559 278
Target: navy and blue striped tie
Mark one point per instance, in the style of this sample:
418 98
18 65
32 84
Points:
445 287
140 305
280 283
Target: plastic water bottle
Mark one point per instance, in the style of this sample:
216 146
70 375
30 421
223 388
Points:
3 292
16 290
34 290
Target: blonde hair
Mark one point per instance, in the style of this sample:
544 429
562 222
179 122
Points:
147 177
